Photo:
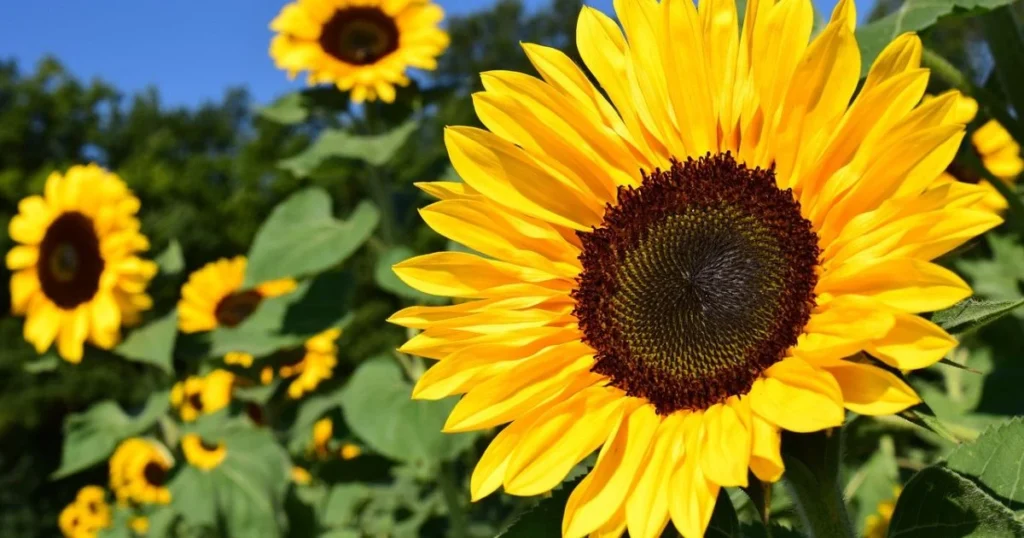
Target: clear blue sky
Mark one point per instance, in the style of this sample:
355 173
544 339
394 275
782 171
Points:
192 50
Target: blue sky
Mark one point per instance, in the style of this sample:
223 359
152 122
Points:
192 50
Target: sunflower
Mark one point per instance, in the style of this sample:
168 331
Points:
138 472
301 476
350 451
77 274
318 357
197 396
139 525
202 454
213 296
84 517
323 430
682 269
999 152
877 524
362 46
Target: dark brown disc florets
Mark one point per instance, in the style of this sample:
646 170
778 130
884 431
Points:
696 282
360 35
70 261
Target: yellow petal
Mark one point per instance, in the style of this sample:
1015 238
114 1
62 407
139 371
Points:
913 343
647 505
842 328
798 397
460 274
725 452
22 256
693 495
24 286
602 493
73 332
870 390
42 324
905 284
490 470
766 450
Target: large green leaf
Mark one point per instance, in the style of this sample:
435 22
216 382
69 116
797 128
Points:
1006 44
545 519
91 436
938 503
379 409
152 343
912 16
972 314
995 460
301 237
244 495
375 150
289 320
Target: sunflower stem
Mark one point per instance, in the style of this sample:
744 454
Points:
376 180
812 479
457 520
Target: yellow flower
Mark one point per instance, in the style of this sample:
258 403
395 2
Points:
86 515
999 152
201 454
77 274
366 46
679 266
238 358
323 430
197 396
213 296
319 357
350 451
301 476
139 525
138 472
877 525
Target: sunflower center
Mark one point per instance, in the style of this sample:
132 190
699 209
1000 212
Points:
360 35
154 473
235 308
696 282
195 401
70 263
207 446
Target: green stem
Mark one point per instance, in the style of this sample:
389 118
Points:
812 479
457 518
376 180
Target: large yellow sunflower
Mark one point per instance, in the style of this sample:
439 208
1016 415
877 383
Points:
202 395
999 152
683 269
362 46
213 296
201 454
138 472
77 274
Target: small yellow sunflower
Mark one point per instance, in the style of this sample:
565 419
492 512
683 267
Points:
84 517
728 241
139 525
877 525
999 152
213 296
201 454
138 472
204 395
319 356
323 431
365 46
77 274
301 476
350 451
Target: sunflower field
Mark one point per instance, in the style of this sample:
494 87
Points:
735 269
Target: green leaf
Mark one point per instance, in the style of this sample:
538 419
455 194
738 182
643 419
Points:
995 460
938 503
724 522
286 110
757 530
244 495
289 320
875 481
923 416
152 343
258 393
912 16
311 410
171 261
1007 47
47 362
343 503
971 314
301 237
91 436
545 519
998 278
379 410
374 150
386 278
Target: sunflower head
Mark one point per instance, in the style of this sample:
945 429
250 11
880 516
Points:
323 431
213 296
364 46
200 395
139 470
301 476
139 525
202 454
731 237
350 451
77 272
87 514
313 364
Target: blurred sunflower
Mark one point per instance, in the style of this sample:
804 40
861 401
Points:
203 395
86 515
350 451
201 454
999 152
877 524
301 476
681 270
138 472
315 364
362 46
139 525
77 274
213 296
323 430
